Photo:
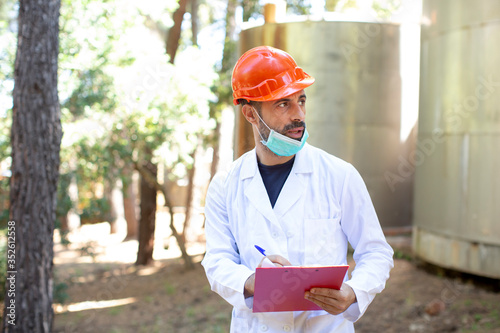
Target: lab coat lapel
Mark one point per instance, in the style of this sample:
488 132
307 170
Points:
255 191
295 184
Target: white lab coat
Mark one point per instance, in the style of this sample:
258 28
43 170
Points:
323 205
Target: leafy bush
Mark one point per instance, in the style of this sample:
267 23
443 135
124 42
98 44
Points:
96 210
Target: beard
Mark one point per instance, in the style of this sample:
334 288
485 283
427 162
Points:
294 124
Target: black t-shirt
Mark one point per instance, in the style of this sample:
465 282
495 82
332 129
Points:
274 177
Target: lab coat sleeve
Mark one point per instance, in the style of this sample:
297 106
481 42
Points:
225 273
372 254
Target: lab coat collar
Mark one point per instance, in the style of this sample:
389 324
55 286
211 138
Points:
291 191
303 163
303 160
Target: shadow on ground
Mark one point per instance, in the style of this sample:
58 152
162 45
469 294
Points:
116 296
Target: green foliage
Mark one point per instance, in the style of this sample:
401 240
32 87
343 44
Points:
7 57
347 4
190 312
94 160
8 36
60 292
4 202
3 262
4 217
64 203
89 37
122 102
299 7
88 161
169 288
251 9
405 255
94 209
94 90
115 311
218 329
385 8
89 249
5 149
5 161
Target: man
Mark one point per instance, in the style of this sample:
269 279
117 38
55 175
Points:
298 202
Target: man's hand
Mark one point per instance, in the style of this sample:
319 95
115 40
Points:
331 300
249 286
276 259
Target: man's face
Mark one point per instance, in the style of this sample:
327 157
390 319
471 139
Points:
285 116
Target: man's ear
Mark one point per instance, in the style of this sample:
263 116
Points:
249 113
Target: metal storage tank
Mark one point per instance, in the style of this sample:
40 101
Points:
457 181
354 107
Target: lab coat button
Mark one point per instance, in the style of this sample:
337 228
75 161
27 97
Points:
263 328
286 328
275 234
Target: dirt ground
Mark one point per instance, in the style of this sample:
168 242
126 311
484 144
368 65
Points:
107 293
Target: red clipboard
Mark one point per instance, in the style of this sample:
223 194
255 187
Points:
283 288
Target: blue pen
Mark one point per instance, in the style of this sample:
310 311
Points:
261 250
266 263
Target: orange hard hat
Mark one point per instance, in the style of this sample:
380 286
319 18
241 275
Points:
265 73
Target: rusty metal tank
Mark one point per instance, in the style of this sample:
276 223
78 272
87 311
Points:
457 181
354 107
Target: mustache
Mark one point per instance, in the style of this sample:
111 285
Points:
293 125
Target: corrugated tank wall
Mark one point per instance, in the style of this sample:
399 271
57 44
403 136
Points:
457 182
354 107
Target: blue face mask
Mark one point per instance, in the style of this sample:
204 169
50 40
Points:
280 144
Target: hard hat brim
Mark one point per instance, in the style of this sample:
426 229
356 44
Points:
283 92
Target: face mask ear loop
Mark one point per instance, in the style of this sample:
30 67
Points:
263 141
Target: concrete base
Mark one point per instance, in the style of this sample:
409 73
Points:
458 254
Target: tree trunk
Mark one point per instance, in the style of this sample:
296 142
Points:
129 203
148 217
112 215
194 21
188 262
174 34
151 179
224 96
35 137
189 197
64 223
215 148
